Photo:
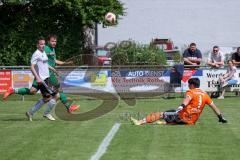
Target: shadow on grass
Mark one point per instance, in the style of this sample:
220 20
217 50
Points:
19 119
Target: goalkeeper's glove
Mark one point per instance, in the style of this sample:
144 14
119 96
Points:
221 119
180 107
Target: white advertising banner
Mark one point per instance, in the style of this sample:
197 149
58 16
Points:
210 80
126 80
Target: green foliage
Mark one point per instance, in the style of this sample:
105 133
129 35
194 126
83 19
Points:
130 52
22 22
177 57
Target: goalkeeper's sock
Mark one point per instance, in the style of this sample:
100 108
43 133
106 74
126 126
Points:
22 91
64 100
153 117
37 106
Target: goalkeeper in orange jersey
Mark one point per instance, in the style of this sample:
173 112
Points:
188 112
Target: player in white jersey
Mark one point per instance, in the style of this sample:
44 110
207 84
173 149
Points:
40 70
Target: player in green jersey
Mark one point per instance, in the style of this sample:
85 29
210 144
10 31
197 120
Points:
52 61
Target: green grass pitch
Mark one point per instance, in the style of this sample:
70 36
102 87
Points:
74 140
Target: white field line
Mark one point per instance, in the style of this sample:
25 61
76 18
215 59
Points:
105 143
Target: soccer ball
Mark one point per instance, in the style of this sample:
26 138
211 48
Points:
110 17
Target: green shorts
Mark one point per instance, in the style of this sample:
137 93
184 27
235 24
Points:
54 80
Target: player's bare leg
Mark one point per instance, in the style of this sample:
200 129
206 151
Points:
153 117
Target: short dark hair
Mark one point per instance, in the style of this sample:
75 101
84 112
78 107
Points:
238 49
194 81
52 36
193 44
215 47
40 38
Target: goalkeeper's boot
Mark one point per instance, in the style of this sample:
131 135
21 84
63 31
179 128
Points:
73 108
8 93
136 122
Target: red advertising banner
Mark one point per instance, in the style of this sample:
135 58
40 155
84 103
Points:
5 80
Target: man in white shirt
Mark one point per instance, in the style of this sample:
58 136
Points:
215 58
40 70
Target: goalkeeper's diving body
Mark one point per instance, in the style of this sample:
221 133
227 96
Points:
52 61
188 112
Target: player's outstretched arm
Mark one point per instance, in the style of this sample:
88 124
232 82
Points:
218 113
58 62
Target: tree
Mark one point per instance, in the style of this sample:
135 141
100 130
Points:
132 53
22 21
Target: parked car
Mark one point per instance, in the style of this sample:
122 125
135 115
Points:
103 56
